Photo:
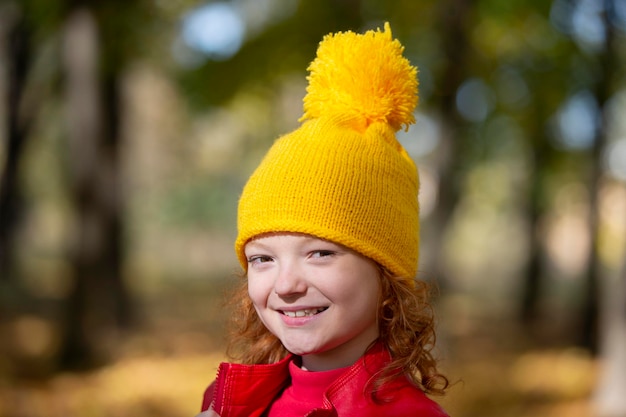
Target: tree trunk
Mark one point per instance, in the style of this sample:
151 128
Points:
99 304
607 63
531 290
455 16
542 156
609 398
18 62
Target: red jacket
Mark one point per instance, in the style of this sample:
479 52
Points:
248 390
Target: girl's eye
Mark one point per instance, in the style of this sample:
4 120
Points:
259 259
322 253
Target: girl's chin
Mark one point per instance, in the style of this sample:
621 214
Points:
302 349
299 350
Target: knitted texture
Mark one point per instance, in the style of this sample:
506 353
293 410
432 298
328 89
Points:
342 175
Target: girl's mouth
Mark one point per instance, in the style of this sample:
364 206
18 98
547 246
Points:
304 313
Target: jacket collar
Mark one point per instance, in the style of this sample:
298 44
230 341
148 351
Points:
236 384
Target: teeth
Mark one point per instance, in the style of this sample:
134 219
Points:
303 313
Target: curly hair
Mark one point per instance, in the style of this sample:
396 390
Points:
406 327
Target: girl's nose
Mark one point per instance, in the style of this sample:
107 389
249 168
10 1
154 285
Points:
290 280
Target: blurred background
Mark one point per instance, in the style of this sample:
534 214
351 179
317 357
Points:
128 129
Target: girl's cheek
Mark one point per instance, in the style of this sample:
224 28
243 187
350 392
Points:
257 292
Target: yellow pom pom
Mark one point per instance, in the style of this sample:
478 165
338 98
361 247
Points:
362 79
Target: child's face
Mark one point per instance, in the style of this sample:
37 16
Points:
319 298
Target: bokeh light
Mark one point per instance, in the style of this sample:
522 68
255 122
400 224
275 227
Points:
474 100
577 121
216 30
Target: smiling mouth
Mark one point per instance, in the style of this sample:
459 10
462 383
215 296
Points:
304 313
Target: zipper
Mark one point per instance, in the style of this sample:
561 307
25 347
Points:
220 388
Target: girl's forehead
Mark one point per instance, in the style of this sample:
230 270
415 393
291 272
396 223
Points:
277 236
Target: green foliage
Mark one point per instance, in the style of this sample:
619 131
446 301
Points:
281 49
209 203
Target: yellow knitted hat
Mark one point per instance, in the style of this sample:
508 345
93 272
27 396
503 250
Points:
342 175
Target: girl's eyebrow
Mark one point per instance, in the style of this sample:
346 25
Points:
256 245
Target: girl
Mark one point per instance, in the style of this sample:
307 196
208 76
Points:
331 321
